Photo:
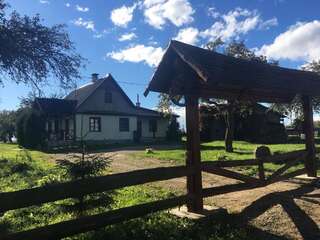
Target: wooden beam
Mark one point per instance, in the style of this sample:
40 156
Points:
229 163
310 162
193 158
34 196
230 174
208 192
283 169
287 176
88 223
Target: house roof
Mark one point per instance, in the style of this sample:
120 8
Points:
82 93
257 107
190 70
55 106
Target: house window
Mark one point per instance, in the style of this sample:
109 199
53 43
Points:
95 124
124 124
107 97
153 127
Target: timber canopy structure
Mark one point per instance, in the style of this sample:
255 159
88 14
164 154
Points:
197 73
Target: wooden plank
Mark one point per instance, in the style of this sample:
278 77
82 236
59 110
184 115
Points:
208 192
288 175
193 157
230 163
309 132
230 174
29 197
84 224
281 170
285 157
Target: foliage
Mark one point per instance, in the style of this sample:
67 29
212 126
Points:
164 104
228 108
7 125
174 133
81 167
31 52
31 129
295 108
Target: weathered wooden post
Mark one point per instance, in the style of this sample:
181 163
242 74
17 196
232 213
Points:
193 157
310 162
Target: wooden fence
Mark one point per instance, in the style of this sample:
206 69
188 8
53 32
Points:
50 193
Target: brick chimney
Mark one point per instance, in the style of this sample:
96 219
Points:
94 77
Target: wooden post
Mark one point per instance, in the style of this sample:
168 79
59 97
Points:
262 176
310 161
193 157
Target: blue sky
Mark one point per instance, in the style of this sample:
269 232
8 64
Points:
128 38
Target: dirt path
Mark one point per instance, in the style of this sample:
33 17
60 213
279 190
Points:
288 209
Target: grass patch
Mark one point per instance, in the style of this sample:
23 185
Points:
213 151
21 169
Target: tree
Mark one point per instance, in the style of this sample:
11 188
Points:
228 108
295 108
31 52
165 104
30 128
7 125
85 166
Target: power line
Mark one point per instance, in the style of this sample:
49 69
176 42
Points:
125 82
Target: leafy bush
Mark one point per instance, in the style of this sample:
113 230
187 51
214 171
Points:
31 129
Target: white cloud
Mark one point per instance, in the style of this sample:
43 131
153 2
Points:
122 16
269 23
158 12
86 24
188 35
233 24
212 12
299 42
139 53
82 9
44 1
68 5
101 34
127 37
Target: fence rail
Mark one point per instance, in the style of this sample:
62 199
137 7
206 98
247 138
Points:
50 193
84 224
39 195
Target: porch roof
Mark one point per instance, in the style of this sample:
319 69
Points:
55 106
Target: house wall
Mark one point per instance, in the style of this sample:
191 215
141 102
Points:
119 102
109 128
162 125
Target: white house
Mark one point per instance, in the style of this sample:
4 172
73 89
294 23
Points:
100 111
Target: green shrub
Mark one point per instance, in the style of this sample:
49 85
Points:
31 129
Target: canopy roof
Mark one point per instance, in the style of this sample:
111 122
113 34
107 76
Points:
190 70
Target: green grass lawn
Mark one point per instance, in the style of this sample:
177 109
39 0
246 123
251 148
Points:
21 169
214 150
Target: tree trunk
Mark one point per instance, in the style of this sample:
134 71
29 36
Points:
228 138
